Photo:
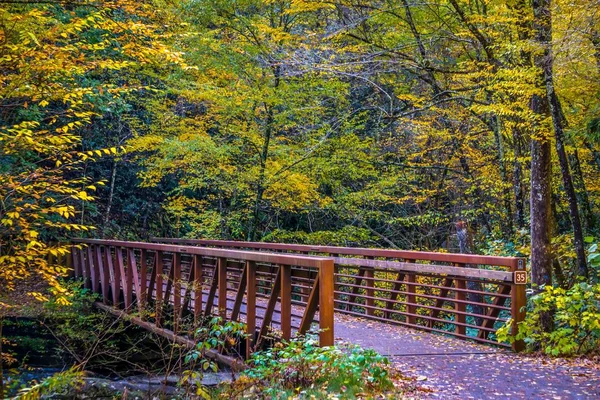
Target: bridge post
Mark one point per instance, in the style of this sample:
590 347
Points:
222 287
518 301
326 302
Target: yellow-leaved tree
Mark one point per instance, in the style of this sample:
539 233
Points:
60 63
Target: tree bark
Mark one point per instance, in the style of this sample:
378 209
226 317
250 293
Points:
541 181
543 27
1 359
518 186
111 193
581 192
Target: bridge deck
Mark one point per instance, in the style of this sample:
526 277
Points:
456 369
282 291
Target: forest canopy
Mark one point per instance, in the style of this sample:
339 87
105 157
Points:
362 123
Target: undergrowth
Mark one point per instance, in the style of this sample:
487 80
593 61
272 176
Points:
301 369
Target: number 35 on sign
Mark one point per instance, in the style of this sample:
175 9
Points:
521 277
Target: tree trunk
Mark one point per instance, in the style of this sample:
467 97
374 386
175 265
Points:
541 181
507 223
518 186
595 38
543 28
581 192
1 359
111 193
260 186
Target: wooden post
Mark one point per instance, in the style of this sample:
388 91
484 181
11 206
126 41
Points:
411 298
93 271
143 295
115 276
75 262
518 303
222 288
158 291
460 306
104 273
198 283
326 302
370 292
250 307
176 290
85 268
286 301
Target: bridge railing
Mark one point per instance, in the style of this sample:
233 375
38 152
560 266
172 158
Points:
464 295
163 284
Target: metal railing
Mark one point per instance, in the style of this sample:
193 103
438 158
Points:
161 284
464 295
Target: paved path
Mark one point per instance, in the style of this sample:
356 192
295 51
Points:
455 369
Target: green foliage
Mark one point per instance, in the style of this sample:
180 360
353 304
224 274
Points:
302 368
56 385
90 338
576 321
213 335
594 260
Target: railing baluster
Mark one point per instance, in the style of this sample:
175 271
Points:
222 282
115 276
85 269
239 297
104 274
286 301
134 277
125 281
460 306
370 292
176 267
411 299
250 307
158 287
143 276
76 261
198 286
92 268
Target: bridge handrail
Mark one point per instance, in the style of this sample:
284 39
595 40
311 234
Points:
274 258
369 274
122 268
513 263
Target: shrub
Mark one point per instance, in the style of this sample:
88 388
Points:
301 367
576 321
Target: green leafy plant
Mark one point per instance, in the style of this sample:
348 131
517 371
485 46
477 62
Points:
54 385
214 334
576 321
301 367
594 259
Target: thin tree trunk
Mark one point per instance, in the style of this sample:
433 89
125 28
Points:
595 153
260 186
507 223
581 191
264 155
1 359
595 38
541 183
111 192
518 186
543 18
465 243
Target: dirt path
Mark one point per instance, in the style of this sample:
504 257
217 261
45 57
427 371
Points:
455 369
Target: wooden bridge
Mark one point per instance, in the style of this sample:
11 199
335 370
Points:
279 290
